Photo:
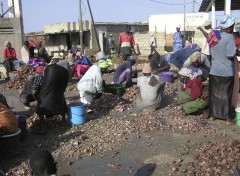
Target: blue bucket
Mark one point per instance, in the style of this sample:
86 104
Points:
76 114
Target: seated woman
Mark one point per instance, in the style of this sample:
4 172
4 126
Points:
151 89
191 97
158 64
83 64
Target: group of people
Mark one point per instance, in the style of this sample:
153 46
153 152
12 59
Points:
219 66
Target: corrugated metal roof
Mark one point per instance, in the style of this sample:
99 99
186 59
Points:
219 5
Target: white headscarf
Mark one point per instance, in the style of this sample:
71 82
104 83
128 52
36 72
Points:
186 72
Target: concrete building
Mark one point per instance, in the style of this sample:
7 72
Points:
66 35
11 27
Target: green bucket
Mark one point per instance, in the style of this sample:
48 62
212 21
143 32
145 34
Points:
115 89
238 115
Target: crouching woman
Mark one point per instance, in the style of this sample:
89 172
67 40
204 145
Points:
191 97
151 89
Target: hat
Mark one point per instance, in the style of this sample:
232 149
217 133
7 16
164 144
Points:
147 68
39 69
178 26
79 53
7 43
39 41
186 72
226 22
100 55
111 35
152 34
56 56
207 23
196 56
237 41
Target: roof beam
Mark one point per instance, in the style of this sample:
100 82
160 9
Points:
209 5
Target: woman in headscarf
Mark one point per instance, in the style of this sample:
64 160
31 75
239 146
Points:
151 89
190 97
51 99
221 77
83 64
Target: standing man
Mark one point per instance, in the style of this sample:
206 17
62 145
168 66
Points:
178 39
111 45
221 77
206 31
153 43
126 43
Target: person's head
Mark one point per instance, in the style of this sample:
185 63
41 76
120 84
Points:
100 55
227 24
42 163
185 75
147 70
195 59
110 35
7 44
128 29
26 43
56 57
207 24
132 60
178 28
79 54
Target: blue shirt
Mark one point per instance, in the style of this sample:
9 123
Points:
84 61
177 38
221 53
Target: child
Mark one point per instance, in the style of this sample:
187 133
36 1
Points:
42 163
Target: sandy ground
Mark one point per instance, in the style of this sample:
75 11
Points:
148 153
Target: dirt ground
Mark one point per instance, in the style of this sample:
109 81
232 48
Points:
145 153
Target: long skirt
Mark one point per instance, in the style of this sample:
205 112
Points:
220 97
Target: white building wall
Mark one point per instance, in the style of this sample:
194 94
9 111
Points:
168 22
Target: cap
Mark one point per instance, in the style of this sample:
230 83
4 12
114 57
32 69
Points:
207 23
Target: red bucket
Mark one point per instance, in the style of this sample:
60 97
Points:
167 76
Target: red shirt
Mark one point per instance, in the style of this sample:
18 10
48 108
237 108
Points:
196 87
9 53
126 40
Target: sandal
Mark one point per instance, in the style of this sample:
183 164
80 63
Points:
231 121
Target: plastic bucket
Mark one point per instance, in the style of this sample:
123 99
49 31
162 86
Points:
167 76
238 115
76 114
22 124
9 143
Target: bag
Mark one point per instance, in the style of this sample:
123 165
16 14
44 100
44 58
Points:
213 38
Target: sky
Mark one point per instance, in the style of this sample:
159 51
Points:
37 13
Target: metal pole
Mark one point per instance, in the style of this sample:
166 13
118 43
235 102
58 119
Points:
93 24
80 27
193 6
184 17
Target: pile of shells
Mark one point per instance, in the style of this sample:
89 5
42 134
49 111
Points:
23 169
131 93
220 158
19 80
